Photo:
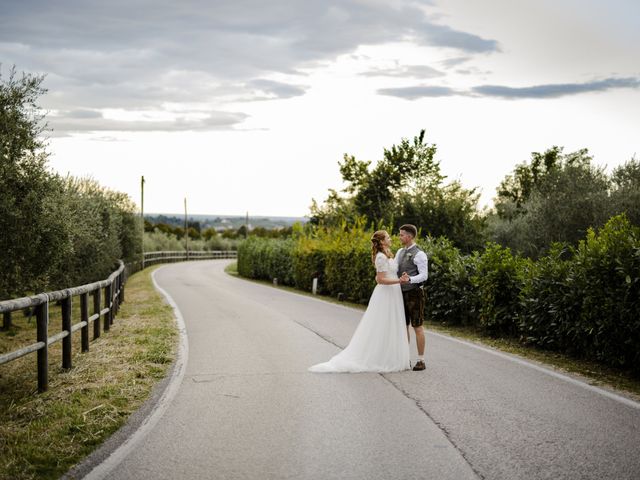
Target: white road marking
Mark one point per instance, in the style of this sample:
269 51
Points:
120 453
606 393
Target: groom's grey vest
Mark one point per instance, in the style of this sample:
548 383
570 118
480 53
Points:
405 264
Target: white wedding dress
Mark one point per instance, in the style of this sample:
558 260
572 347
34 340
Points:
379 343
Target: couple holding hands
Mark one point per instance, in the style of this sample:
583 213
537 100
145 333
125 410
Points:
381 340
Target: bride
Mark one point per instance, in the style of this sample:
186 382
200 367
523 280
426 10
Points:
379 343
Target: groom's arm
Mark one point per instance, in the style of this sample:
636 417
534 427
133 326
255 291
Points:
420 260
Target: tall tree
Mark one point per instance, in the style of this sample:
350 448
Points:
555 198
406 186
32 231
625 194
374 190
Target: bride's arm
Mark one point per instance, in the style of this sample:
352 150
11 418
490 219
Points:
382 279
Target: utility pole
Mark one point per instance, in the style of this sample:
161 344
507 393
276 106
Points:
142 215
186 229
246 226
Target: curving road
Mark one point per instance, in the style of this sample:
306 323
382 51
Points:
246 407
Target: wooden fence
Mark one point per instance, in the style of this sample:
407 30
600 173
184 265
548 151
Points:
151 258
107 295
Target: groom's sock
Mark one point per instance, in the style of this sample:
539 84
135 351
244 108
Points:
421 358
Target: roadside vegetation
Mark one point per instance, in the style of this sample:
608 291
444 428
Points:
555 265
56 231
169 236
42 435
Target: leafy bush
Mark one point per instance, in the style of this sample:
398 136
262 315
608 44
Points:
158 241
266 259
280 260
308 263
606 273
498 280
450 293
588 304
550 304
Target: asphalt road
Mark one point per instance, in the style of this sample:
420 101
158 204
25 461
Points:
246 407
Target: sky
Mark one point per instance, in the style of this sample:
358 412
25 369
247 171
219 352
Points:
248 106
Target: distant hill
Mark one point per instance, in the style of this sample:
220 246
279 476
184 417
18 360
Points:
221 222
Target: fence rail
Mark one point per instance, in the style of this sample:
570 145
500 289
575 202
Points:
151 258
107 296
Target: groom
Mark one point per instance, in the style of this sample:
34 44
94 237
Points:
413 261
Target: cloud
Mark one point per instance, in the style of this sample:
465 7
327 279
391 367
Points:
143 55
415 71
66 122
275 89
413 93
555 90
454 62
537 91
444 36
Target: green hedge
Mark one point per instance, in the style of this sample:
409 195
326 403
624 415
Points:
307 263
584 300
451 296
497 280
266 259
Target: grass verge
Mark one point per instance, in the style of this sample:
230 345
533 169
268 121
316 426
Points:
43 435
591 372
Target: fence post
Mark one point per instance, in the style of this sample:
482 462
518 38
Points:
6 320
123 280
84 317
116 295
66 325
42 334
107 304
114 298
114 302
96 309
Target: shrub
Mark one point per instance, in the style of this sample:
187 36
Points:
450 293
606 274
308 263
350 271
266 259
158 241
550 303
498 281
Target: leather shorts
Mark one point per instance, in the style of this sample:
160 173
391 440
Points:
414 306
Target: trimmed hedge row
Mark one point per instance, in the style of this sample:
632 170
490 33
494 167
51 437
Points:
584 300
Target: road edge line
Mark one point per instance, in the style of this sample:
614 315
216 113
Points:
116 457
627 401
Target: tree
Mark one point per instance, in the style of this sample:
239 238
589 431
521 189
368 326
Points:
32 229
405 187
516 188
449 211
403 166
209 233
54 232
625 193
556 198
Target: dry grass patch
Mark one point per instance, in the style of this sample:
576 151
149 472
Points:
43 435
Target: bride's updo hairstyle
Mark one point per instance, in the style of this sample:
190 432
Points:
377 245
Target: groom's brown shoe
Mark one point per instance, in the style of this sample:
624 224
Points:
419 366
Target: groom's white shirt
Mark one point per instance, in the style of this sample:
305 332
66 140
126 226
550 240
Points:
421 262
